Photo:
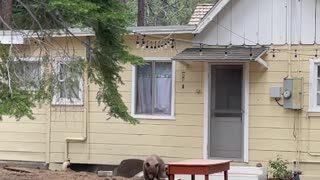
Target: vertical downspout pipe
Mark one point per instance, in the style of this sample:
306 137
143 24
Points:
66 162
289 35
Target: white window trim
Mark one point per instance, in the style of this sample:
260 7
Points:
31 59
173 91
68 101
313 85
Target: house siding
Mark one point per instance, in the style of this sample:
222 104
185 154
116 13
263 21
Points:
24 140
110 141
277 131
271 127
264 22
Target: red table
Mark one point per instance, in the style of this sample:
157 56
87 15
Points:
199 167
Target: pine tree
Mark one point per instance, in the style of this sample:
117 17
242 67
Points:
108 21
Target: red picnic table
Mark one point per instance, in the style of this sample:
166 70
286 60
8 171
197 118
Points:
199 167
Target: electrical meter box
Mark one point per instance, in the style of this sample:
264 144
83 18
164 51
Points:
293 93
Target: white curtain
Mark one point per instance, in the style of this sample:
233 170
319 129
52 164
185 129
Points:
27 74
70 86
144 90
162 94
33 73
154 89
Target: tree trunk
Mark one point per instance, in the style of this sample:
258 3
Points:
141 12
6 13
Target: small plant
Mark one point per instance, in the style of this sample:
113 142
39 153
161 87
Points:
279 169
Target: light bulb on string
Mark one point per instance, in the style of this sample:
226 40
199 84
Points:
143 41
273 55
137 42
225 52
155 46
161 46
172 44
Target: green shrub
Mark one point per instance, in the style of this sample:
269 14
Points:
279 169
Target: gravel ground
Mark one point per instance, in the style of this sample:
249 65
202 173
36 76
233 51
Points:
34 174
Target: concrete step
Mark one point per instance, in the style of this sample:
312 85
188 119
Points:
235 173
309 177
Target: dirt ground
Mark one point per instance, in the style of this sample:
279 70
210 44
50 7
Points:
34 174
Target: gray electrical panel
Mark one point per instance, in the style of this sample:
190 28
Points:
293 93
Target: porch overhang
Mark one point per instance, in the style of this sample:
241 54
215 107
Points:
232 54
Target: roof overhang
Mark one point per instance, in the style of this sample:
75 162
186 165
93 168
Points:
233 54
210 15
180 29
20 36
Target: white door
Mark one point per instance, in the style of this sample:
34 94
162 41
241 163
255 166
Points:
226 112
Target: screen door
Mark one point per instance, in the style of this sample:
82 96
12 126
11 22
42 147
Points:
226 112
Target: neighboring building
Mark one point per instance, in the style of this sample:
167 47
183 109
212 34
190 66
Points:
209 96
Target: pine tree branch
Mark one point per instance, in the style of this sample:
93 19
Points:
31 14
5 23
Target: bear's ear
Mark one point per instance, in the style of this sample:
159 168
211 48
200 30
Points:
147 164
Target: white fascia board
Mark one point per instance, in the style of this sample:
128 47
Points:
20 36
14 39
178 29
211 14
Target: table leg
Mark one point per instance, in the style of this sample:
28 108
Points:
171 177
225 175
206 177
192 177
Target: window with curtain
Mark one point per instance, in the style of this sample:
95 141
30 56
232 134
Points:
69 85
26 74
154 89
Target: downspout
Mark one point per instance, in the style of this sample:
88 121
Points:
289 35
66 162
48 135
308 139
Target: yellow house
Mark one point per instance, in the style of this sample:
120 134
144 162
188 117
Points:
239 82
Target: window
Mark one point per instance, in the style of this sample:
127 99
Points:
314 86
69 86
26 73
154 90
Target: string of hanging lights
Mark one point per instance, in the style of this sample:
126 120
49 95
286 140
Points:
165 43
160 44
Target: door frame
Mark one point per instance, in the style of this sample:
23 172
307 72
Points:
207 85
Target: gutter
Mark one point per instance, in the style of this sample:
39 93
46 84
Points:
176 29
21 36
68 140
